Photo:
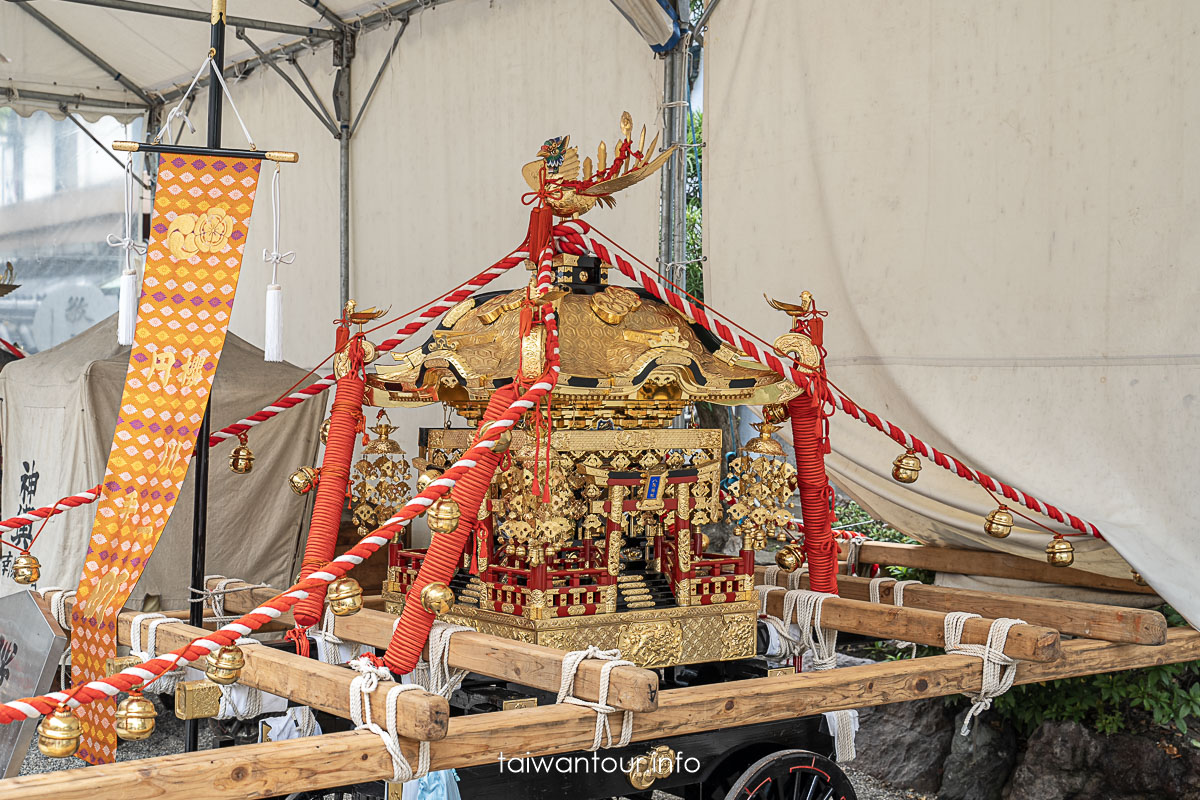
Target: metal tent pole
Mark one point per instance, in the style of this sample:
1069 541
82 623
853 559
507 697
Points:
191 731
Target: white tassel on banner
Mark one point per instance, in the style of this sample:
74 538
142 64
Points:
273 339
127 304
273 346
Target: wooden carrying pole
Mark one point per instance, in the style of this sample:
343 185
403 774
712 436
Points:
1026 642
984 562
277 768
630 688
1088 620
313 683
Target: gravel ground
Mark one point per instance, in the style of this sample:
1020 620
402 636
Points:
869 788
167 739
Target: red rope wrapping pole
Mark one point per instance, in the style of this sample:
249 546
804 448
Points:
331 491
445 550
816 494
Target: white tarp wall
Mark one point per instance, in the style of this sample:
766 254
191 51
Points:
995 201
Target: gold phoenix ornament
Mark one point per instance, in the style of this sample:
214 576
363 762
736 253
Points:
379 479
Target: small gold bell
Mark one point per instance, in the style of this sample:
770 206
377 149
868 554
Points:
999 522
325 431
1137 578
1060 552
503 441
775 413
304 480
787 559
427 477
26 569
704 543
241 458
225 665
443 515
907 467
58 733
345 597
437 598
135 717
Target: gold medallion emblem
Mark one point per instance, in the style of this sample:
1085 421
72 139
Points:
189 235
614 303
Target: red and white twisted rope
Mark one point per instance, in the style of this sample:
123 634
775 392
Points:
32 707
573 237
435 309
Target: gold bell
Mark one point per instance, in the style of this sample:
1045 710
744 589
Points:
907 467
704 543
135 717
503 441
437 598
304 480
225 665
775 413
999 522
345 597
443 515
1060 552
1137 578
58 733
325 431
787 559
427 477
26 569
241 458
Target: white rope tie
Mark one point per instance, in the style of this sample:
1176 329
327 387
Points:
570 668
852 547
361 687
789 647
273 256
771 574
804 607
178 113
999 670
215 598
128 242
873 590
58 609
796 578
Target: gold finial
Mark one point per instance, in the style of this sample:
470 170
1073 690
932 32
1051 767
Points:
218 12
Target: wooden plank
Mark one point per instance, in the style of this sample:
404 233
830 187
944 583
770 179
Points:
1088 620
532 665
304 680
1026 642
984 562
278 768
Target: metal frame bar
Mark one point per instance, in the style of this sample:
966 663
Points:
270 62
100 144
326 12
193 15
13 92
312 90
85 51
378 75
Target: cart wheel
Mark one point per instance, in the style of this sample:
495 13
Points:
792 775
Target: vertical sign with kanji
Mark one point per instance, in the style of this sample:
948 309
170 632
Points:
198 232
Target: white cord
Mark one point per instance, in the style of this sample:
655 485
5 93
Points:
999 670
273 256
178 113
852 547
570 668
58 609
897 600
128 242
804 607
361 687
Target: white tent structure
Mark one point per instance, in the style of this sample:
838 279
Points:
990 198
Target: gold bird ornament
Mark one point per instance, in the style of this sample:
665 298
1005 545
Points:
571 189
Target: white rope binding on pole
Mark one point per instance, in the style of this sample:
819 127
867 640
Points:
999 670
273 322
368 678
897 600
570 668
804 607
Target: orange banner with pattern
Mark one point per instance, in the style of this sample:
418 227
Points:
198 231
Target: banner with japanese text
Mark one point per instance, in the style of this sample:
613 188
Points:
202 205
